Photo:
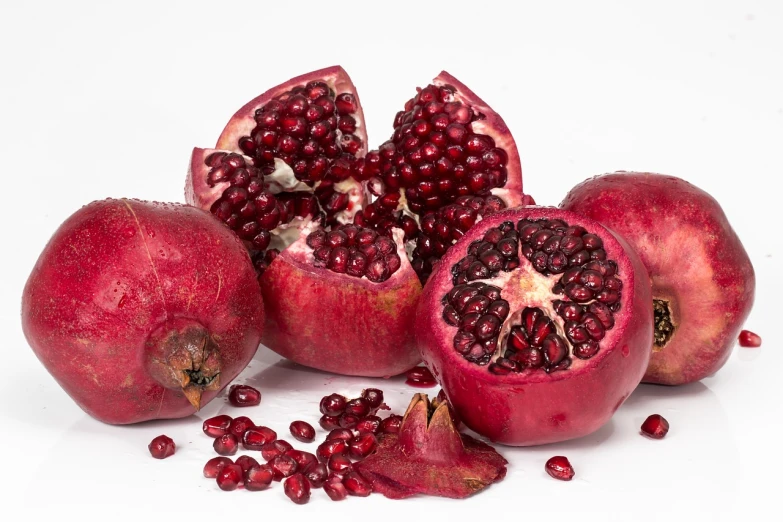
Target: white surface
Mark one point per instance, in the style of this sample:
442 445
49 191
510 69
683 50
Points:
108 99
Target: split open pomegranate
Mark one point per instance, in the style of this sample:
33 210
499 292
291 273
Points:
537 324
343 238
702 279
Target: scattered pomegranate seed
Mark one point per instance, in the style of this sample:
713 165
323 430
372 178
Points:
254 438
374 398
391 424
358 407
356 485
333 404
246 462
340 463
369 424
282 466
214 465
362 445
329 422
348 420
297 488
336 490
226 444
304 459
229 477
559 468
655 427
302 431
239 426
240 395
275 448
216 426
317 475
258 477
420 377
329 448
748 339
161 447
340 433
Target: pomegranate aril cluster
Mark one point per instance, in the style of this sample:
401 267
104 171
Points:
442 228
434 153
356 251
586 281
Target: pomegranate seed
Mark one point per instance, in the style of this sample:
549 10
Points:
239 426
655 427
356 485
374 397
161 447
748 339
304 459
340 433
421 376
329 422
335 490
229 477
369 424
254 438
282 466
241 395
216 426
214 465
317 475
226 444
559 468
362 445
297 488
246 462
358 407
329 448
348 420
275 448
302 431
391 424
339 463
258 477
333 404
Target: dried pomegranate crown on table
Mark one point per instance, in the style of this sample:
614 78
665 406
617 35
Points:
366 262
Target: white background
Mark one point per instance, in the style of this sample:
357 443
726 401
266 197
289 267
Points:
107 99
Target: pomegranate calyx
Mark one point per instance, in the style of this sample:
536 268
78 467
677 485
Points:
429 456
183 356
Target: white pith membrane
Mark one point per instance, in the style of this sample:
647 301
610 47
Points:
525 287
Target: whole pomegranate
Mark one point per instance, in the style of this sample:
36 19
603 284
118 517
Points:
537 324
703 283
292 167
142 310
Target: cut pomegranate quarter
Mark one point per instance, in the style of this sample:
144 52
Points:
543 317
341 297
703 283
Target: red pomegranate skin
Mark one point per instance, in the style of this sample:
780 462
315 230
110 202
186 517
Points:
338 323
520 410
695 260
119 274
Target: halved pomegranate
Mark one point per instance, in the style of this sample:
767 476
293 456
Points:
295 158
537 324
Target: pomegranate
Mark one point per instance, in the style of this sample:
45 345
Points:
295 158
559 468
655 426
537 325
702 279
748 339
428 456
142 310
162 447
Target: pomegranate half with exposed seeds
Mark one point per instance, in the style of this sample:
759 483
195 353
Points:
295 159
703 282
142 310
537 324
